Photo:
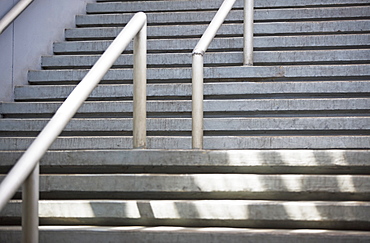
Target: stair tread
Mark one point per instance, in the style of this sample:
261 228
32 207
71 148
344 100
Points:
243 106
354 71
242 213
235 43
229 90
210 124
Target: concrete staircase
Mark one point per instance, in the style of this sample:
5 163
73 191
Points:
287 140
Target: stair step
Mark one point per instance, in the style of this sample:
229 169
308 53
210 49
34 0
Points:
141 234
212 126
278 28
359 71
150 6
232 44
266 141
286 145
205 186
193 161
204 17
241 107
223 213
220 59
244 90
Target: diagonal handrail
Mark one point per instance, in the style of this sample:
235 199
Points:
26 169
13 14
197 64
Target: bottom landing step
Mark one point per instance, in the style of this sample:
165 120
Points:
90 234
336 215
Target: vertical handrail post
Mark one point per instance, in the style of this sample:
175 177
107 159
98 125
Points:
30 207
248 32
26 169
197 101
197 72
139 99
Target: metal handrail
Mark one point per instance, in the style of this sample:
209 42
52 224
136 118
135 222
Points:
248 32
27 168
13 14
197 64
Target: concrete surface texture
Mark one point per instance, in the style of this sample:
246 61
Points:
183 234
286 141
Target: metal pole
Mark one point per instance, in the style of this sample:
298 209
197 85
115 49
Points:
66 111
197 72
214 26
248 32
197 101
139 120
26 170
30 208
13 14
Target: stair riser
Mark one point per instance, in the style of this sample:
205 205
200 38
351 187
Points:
220 59
133 7
212 142
233 16
241 125
324 72
205 186
234 44
243 108
242 90
86 234
295 28
193 161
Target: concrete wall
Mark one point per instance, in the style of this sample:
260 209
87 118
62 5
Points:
32 35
